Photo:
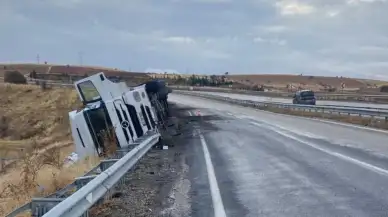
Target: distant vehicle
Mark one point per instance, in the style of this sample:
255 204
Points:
306 97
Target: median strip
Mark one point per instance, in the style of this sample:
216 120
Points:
369 118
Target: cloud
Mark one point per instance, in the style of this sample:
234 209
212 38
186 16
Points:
275 29
270 41
358 2
287 7
332 13
321 37
179 40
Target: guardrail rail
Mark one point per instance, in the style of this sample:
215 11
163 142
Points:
94 187
377 98
370 112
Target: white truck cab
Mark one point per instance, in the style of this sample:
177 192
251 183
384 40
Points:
109 106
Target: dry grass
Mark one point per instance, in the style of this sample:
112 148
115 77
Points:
27 113
309 82
39 174
34 127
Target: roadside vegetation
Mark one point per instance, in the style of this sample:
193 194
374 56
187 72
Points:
35 139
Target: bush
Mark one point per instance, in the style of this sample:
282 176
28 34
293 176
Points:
258 88
384 88
14 77
3 126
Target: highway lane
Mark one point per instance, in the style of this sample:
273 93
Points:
289 100
273 165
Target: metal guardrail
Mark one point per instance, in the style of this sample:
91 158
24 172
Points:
326 105
309 108
377 98
320 95
179 88
34 81
219 89
380 98
38 205
92 188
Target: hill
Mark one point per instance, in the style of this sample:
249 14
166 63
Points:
26 68
282 82
275 82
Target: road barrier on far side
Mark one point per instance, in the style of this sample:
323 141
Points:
353 97
368 112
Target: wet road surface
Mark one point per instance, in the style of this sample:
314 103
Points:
289 100
272 165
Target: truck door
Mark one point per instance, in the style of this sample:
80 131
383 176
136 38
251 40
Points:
124 121
99 123
143 112
135 119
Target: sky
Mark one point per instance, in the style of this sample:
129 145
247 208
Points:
313 37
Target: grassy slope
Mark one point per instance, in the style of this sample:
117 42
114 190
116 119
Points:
37 122
51 68
283 80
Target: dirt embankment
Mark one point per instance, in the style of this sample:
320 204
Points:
35 138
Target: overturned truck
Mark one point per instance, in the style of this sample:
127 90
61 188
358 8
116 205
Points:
114 110
158 94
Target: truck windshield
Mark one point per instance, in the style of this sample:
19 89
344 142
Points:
89 92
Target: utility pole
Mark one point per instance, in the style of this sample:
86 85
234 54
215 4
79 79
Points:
38 58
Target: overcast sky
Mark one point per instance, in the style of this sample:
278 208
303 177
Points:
317 37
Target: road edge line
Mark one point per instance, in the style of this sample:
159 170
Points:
218 206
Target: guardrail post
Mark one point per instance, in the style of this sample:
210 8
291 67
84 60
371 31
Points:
40 206
105 164
121 152
83 180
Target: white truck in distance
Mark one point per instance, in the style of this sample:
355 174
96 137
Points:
127 112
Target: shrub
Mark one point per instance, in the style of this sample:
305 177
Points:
3 126
258 88
14 77
384 88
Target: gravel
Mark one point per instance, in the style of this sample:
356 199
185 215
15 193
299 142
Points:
157 186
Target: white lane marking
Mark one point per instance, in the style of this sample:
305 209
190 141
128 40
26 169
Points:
218 206
344 157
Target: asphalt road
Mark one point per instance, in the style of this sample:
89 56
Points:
289 100
244 162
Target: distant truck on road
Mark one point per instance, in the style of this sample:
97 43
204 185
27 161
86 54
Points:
305 97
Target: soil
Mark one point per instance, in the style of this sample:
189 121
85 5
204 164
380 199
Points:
157 184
